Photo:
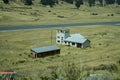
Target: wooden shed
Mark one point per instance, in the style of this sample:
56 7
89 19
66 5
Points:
44 51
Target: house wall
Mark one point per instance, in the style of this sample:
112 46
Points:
79 45
61 36
86 44
49 53
32 54
71 44
44 54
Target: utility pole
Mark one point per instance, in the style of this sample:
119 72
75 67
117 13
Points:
51 37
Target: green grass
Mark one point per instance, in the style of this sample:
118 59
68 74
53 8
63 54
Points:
104 49
39 14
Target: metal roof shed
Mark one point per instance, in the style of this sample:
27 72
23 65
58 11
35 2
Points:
44 51
77 40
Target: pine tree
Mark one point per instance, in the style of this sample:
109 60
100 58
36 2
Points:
49 2
91 2
28 2
78 3
101 2
6 1
69 1
118 2
110 1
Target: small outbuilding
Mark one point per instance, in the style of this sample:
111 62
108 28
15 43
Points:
44 51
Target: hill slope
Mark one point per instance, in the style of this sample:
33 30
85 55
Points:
19 14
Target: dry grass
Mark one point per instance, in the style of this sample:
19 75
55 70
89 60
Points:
15 47
38 14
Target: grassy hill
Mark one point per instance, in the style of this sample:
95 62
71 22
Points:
19 14
102 58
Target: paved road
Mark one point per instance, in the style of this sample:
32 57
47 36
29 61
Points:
8 28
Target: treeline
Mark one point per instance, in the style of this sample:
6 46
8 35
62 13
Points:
77 3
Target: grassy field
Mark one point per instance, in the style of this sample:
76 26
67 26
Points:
15 47
18 14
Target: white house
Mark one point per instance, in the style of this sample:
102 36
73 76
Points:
64 37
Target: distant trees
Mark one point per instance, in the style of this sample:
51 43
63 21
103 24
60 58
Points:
78 3
6 1
101 2
69 1
110 1
118 2
91 3
49 2
28 2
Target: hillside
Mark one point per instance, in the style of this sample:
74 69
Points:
19 14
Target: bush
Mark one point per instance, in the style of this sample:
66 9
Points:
72 72
94 13
118 61
61 16
108 67
112 14
21 61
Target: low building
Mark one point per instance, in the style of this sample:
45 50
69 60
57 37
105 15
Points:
7 75
44 51
77 40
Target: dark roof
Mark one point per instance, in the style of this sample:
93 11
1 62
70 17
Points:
45 49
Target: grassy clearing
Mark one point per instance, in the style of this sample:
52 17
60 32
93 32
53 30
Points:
15 47
37 14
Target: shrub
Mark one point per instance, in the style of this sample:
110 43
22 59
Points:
108 67
118 61
72 72
94 13
112 14
61 16
21 61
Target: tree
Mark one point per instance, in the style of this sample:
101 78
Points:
91 2
6 1
49 2
69 1
101 2
28 2
110 1
118 2
78 3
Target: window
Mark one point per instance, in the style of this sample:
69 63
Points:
73 43
58 41
61 38
58 37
